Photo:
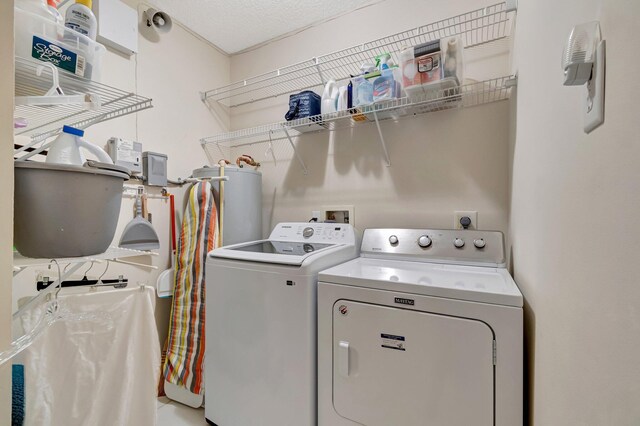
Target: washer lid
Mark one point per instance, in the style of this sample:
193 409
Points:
269 251
476 284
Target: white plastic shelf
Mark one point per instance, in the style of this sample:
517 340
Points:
467 95
34 79
475 28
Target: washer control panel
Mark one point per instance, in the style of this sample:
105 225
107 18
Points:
336 233
484 248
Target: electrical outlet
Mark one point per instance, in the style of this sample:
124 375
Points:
473 215
315 214
338 214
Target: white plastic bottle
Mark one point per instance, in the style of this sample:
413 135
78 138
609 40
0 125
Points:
330 97
80 18
65 149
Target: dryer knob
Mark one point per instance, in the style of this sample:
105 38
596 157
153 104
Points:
479 243
393 240
424 241
458 242
307 232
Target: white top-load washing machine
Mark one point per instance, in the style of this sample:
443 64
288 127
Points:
425 328
260 364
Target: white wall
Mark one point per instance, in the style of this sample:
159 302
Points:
171 69
6 211
441 162
574 219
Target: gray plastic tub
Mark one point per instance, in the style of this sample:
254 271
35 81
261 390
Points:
66 211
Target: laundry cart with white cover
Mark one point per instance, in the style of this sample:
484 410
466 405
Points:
260 366
424 329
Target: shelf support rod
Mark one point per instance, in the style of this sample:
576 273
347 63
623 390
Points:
295 150
140 265
382 142
317 61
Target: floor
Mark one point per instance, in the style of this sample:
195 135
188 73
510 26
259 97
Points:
171 413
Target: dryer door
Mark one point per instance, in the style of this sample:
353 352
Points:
401 367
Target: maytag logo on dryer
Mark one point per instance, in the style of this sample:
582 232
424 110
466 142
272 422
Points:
404 301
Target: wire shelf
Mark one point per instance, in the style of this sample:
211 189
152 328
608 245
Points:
475 28
468 95
113 253
101 102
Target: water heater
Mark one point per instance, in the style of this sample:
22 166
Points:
242 202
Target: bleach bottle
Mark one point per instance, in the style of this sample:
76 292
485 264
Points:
65 149
330 97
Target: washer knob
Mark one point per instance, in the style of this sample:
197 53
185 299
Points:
393 240
307 232
479 243
458 242
424 241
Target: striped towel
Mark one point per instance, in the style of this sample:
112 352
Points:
185 351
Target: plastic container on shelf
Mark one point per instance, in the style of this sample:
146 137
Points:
432 67
385 86
38 7
52 5
43 39
363 86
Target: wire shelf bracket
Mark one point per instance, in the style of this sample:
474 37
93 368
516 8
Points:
382 142
295 150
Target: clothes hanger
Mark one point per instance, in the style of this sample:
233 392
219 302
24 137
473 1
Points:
54 311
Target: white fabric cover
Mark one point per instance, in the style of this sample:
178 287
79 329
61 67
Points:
101 371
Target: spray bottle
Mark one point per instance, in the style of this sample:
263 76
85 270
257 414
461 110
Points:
384 87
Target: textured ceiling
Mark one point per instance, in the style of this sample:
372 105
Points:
235 25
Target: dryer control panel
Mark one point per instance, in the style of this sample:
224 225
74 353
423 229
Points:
465 247
328 233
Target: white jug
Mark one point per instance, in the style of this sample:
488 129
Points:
330 97
66 148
